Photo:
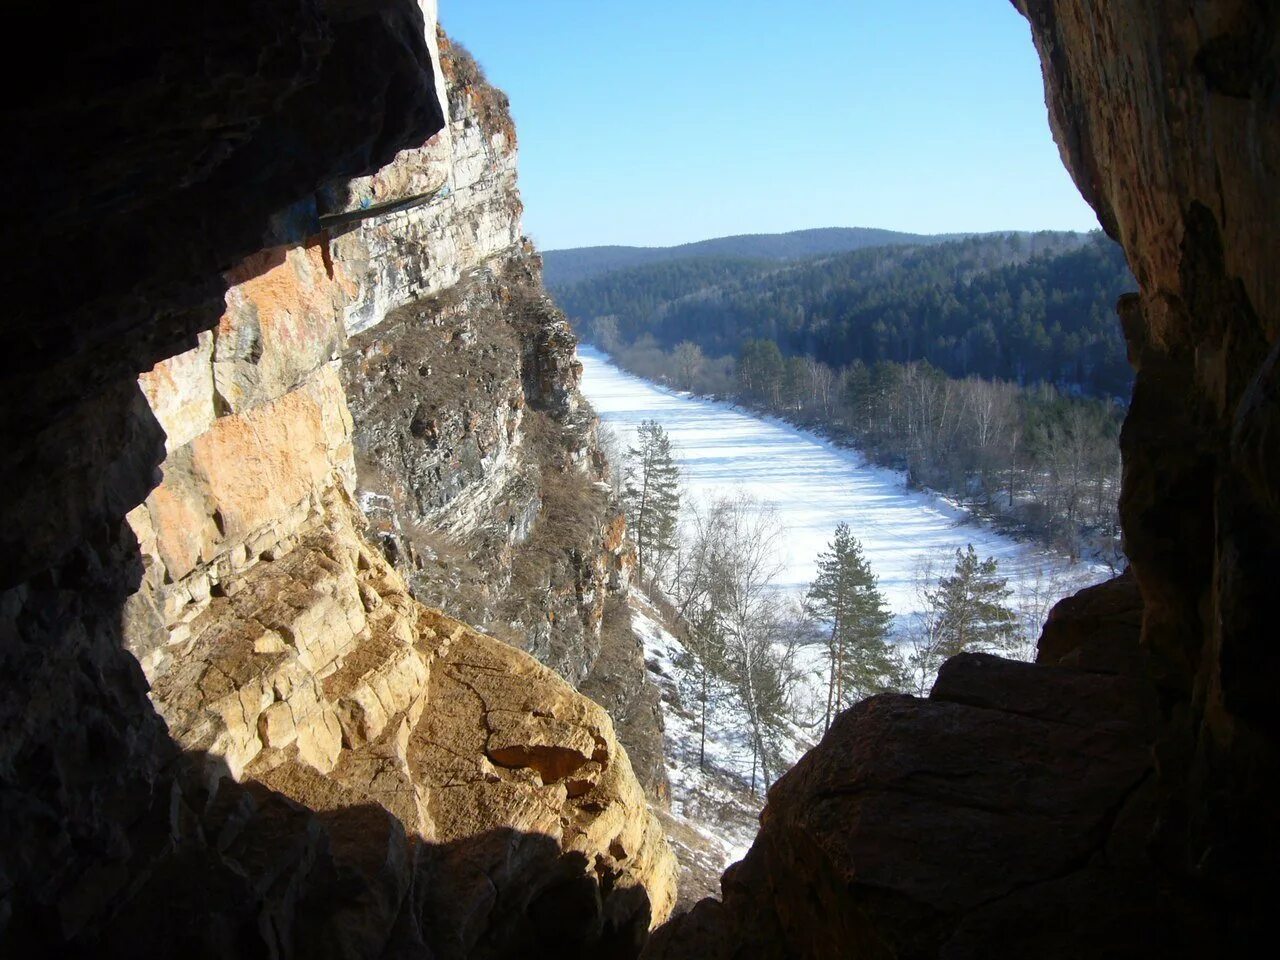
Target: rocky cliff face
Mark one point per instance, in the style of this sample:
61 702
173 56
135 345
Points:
232 709
461 205
411 358
477 458
479 465
1114 799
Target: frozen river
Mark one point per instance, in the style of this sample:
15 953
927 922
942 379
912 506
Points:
814 485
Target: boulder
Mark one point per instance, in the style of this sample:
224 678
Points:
1004 816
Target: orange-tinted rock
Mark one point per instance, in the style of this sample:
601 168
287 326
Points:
179 391
160 183
319 677
251 480
282 322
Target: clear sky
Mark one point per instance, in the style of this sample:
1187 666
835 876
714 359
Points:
665 121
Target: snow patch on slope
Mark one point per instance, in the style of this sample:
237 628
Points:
712 798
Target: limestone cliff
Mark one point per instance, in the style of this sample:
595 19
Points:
412 358
477 458
265 735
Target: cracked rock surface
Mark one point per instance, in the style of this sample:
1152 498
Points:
321 679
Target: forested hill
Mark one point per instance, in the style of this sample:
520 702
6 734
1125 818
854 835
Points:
565 267
1021 307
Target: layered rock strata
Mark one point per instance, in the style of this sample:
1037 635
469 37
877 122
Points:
478 463
158 155
501 796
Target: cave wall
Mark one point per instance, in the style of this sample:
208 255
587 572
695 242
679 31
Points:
161 153
172 144
227 720
1168 118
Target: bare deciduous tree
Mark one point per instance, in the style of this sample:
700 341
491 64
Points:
689 360
740 631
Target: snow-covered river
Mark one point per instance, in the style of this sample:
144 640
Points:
814 485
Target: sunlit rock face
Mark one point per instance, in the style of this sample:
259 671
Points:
466 208
948 826
478 462
231 729
506 809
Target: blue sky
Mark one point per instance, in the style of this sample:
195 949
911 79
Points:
667 121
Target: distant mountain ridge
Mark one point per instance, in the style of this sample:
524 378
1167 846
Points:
1027 308
565 267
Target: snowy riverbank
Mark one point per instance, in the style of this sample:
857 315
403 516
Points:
815 484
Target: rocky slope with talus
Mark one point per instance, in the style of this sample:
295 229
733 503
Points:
237 713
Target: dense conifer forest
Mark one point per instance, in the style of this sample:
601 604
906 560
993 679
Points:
1027 308
990 367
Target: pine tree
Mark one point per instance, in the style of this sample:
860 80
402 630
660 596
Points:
652 497
846 594
973 607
